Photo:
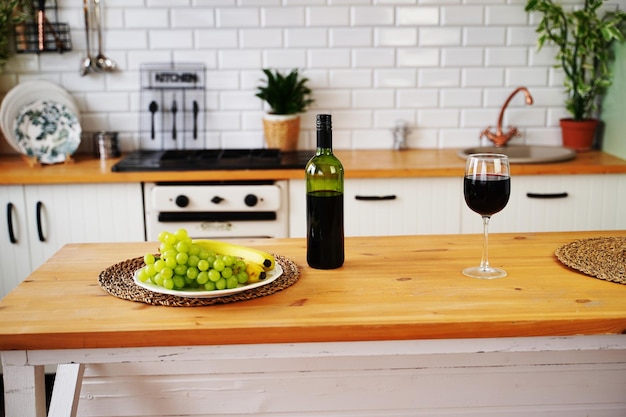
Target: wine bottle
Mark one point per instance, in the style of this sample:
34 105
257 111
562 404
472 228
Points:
324 201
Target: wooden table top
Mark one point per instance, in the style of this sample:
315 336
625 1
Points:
357 164
390 288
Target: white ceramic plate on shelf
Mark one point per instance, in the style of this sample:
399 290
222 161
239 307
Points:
27 93
271 277
48 131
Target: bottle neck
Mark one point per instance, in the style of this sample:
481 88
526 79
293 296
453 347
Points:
324 141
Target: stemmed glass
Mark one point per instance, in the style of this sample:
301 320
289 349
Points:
486 186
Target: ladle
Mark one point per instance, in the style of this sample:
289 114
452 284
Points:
102 62
87 64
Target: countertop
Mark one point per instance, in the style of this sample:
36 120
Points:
390 288
357 164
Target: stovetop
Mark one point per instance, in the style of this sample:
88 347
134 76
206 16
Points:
212 159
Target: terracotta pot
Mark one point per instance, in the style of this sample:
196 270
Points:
282 131
578 134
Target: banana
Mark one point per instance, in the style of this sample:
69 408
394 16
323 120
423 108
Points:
250 255
255 272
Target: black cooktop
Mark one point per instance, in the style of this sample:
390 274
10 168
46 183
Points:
212 159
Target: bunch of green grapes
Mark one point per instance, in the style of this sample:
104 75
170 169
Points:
182 265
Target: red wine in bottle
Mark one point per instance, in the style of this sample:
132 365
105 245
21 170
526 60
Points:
324 201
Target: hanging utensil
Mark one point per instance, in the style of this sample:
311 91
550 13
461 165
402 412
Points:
195 119
153 107
87 64
41 30
174 110
42 24
102 62
57 41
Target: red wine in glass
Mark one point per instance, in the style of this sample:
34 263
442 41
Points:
488 194
486 187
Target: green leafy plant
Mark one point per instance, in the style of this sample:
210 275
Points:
12 12
285 94
584 37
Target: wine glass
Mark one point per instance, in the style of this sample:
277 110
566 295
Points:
486 186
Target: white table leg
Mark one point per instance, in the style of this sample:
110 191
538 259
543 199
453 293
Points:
66 391
24 386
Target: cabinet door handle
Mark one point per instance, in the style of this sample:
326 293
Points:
548 195
39 206
12 237
374 197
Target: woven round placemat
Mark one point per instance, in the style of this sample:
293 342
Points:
118 280
601 257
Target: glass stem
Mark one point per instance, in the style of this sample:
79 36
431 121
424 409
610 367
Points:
484 262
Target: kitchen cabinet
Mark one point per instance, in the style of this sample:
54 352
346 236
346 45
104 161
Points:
542 203
14 249
390 206
432 205
39 219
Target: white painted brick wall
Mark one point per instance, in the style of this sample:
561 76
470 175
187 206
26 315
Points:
444 66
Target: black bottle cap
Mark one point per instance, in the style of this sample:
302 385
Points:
324 122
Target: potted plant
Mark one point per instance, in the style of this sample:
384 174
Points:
12 13
584 37
287 96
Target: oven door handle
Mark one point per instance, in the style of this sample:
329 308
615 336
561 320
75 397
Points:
214 216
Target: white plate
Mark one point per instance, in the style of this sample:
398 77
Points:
27 93
270 277
48 131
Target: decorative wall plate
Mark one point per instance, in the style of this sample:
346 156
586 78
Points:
47 130
27 93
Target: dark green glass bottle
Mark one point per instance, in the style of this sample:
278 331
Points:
324 201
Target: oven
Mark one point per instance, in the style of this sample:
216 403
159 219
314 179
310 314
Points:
224 210
220 209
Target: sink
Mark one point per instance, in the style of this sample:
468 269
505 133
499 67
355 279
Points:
525 154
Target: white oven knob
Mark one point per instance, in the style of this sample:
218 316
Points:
250 200
182 201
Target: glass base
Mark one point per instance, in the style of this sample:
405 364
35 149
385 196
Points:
484 272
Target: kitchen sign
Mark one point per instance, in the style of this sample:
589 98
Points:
172 106
172 76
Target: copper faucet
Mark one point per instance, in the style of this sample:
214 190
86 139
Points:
499 138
